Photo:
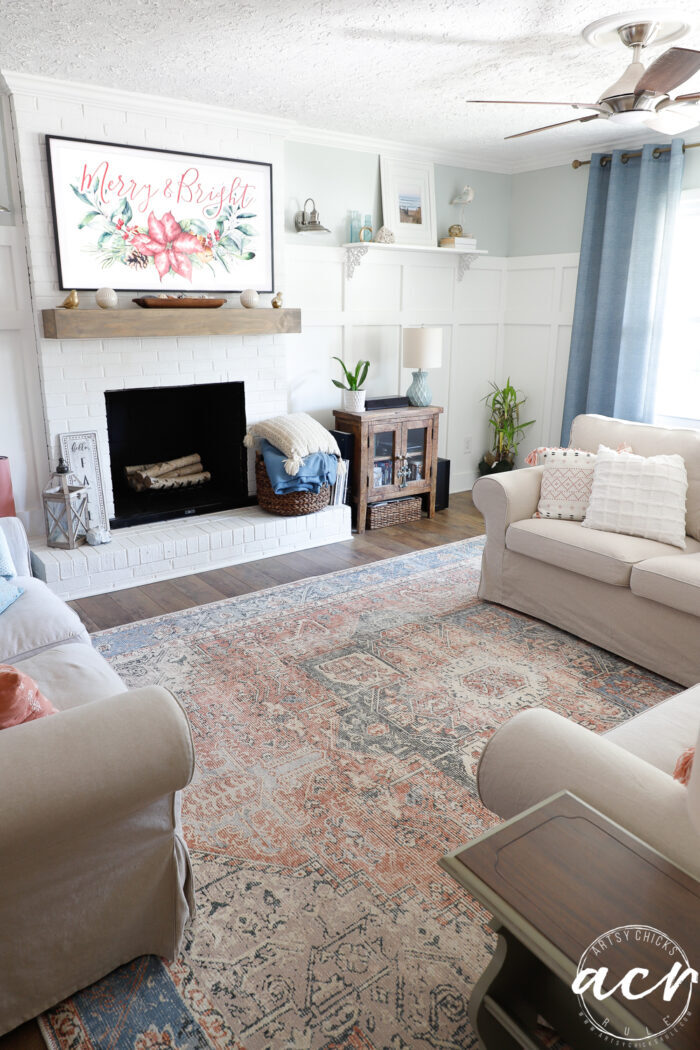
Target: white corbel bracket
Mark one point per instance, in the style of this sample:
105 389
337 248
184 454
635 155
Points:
464 263
353 258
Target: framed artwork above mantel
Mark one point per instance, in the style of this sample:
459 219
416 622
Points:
139 219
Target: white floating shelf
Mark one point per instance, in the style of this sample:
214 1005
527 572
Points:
355 252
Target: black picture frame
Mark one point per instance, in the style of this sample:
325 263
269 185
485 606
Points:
104 276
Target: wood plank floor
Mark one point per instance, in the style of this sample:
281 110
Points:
460 521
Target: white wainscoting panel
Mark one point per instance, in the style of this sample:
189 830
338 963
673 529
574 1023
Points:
387 292
530 291
375 285
428 288
482 292
315 283
380 344
311 369
475 350
539 310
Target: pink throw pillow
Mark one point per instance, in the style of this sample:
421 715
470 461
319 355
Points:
20 698
684 766
536 457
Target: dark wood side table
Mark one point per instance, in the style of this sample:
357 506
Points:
556 879
396 451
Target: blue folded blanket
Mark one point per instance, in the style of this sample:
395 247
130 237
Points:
317 470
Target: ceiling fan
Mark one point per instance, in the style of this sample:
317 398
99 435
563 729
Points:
641 95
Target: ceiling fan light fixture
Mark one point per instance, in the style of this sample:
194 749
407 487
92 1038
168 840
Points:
630 118
673 121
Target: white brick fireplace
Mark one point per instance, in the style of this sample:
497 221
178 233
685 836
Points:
75 373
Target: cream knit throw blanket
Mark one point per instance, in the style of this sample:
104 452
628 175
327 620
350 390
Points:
297 435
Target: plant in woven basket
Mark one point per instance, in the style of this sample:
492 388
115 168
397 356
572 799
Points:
505 408
353 380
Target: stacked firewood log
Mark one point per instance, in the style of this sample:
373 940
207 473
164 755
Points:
181 473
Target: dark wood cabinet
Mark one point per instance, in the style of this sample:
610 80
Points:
395 455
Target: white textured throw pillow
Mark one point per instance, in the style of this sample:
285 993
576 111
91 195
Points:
639 496
297 435
566 483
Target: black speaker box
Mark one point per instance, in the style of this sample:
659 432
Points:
346 443
442 488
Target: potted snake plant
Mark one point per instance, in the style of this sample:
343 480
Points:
353 394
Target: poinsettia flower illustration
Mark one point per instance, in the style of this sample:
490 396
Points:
169 245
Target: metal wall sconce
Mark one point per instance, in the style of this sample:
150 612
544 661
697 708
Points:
307 221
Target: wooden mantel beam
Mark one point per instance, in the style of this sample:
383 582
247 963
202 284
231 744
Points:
111 324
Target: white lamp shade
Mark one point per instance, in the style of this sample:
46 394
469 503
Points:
422 347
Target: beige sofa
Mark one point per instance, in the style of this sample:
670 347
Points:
94 871
635 597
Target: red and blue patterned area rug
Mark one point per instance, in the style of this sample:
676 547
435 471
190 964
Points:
338 722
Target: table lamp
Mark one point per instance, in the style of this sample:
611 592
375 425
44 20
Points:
422 349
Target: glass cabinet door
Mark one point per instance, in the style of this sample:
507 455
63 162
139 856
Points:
384 452
415 464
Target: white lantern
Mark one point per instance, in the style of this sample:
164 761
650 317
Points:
65 509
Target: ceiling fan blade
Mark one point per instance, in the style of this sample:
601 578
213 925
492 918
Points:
533 131
688 98
672 68
523 102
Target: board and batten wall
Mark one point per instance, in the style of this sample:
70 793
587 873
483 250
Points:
506 318
363 317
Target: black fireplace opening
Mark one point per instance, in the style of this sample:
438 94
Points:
161 424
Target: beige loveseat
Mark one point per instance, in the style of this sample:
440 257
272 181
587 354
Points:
635 597
94 870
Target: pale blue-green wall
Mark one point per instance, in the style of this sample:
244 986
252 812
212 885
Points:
339 180
342 180
532 213
547 206
546 210
486 218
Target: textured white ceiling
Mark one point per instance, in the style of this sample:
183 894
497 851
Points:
389 69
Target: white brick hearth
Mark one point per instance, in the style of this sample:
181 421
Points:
163 550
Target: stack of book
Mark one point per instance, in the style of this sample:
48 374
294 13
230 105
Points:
339 492
465 243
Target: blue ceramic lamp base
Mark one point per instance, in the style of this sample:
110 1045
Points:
419 393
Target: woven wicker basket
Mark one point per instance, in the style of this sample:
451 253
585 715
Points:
396 512
291 504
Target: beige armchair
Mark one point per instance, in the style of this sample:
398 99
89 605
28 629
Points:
627 773
93 867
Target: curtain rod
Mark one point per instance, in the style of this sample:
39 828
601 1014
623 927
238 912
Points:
605 159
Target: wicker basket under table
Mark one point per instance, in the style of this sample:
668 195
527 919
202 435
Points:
395 512
291 504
